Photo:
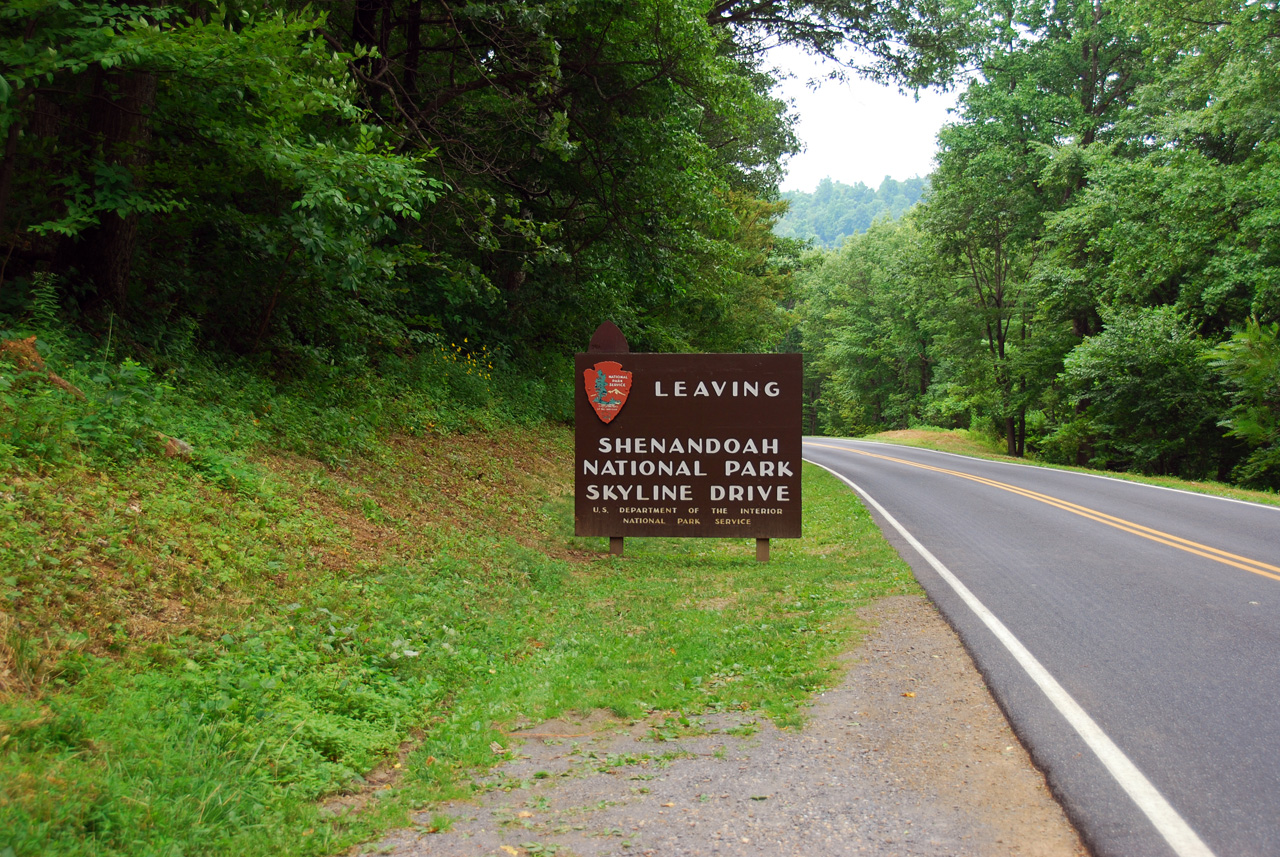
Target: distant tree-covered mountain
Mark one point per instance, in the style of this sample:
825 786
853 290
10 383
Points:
834 211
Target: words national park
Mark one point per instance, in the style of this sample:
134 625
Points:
688 445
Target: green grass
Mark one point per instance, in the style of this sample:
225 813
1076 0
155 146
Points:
197 654
979 446
960 441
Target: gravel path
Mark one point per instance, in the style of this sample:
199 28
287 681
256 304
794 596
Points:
909 755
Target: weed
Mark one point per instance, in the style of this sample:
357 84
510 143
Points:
22 664
440 823
674 728
44 301
226 639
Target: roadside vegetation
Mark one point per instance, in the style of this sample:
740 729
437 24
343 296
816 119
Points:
330 604
1093 276
965 442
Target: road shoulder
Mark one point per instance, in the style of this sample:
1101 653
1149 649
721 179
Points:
907 755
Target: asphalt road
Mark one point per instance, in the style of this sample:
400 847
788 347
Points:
1130 633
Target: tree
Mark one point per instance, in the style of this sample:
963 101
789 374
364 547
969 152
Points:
1102 213
983 214
1249 362
595 150
1055 79
219 145
834 211
1150 400
909 42
869 321
1183 209
402 170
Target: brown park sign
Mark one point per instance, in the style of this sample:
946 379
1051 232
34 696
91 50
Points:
687 444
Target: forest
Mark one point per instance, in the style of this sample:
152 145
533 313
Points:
307 183
312 193
835 211
1094 275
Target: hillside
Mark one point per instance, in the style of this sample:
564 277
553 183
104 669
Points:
245 616
835 211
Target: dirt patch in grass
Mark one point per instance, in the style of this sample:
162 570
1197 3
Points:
134 558
334 497
908 755
122 558
406 501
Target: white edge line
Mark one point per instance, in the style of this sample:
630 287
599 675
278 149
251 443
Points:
817 440
1166 819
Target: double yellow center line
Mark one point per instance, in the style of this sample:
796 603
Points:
1250 565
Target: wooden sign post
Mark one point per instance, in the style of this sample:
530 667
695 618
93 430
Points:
686 445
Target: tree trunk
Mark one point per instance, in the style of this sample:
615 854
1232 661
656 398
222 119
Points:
370 28
11 139
9 156
118 118
413 50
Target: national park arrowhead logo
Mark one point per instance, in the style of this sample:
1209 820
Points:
607 385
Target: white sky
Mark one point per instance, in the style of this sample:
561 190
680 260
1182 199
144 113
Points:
857 131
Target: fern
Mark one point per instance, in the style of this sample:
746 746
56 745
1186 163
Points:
44 301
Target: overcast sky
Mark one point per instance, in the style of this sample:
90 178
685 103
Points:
858 131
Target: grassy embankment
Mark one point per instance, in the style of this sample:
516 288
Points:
975 444
353 585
